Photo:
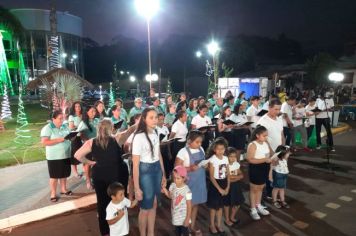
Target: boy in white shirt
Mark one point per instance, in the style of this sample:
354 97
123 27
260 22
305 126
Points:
116 211
326 105
299 114
287 111
253 110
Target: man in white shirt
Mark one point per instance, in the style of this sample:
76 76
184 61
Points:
274 126
287 112
326 106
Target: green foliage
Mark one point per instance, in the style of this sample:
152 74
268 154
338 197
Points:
227 71
319 67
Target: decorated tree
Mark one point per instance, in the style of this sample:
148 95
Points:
5 106
111 96
22 133
169 87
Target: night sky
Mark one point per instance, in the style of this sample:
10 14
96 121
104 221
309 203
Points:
304 20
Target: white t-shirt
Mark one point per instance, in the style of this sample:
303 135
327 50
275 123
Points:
287 109
199 121
180 129
240 118
299 113
262 150
321 105
180 196
309 108
274 128
265 106
184 155
141 147
121 227
252 112
163 130
234 168
220 166
281 167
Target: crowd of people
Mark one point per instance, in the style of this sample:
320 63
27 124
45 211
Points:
189 151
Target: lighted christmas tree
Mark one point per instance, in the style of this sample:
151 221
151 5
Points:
5 106
55 102
111 96
22 133
169 87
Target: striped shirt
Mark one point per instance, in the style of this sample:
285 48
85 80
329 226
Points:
180 196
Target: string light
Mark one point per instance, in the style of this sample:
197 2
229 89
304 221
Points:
5 106
22 133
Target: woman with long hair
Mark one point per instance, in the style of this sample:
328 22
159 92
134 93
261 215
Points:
192 110
167 102
148 170
107 166
225 130
74 119
240 132
100 110
88 129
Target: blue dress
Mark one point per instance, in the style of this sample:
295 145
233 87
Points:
197 179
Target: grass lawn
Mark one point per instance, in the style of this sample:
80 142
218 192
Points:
28 150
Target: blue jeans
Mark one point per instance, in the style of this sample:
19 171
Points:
150 183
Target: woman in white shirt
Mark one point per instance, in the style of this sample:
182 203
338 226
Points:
311 116
239 132
179 130
200 121
148 170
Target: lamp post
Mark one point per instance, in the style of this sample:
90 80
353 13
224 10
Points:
74 61
148 8
213 49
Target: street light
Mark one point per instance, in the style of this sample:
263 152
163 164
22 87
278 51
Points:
198 54
336 77
151 78
122 72
73 60
75 56
213 48
132 78
64 55
148 8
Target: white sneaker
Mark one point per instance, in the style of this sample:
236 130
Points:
254 214
262 210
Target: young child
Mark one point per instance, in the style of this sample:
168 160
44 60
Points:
258 156
181 197
116 211
190 157
279 174
235 197
201 120
219 186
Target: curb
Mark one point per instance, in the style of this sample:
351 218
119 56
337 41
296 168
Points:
338 130
7 224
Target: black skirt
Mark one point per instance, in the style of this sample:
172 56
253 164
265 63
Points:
59 169
215 199
239 138
235 196
229 137
75 145
258 173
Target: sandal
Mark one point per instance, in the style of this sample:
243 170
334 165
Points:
232 223
210 231
54 199
236 222
277 205
285 205
220 232
68 193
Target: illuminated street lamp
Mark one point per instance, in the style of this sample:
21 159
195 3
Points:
336 77
64 55
151 78
213 48
198 54
148 8
122 72
74 61
132 78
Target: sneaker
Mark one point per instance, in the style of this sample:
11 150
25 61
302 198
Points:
277 205
254 214
332 149
262 210
318 147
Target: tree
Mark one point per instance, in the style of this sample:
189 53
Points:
5 106
169 87
22 133
319 68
